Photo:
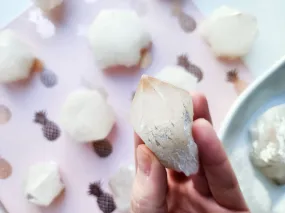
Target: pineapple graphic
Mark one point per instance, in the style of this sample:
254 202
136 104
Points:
104 200
183 61
103 148
50 129
239 85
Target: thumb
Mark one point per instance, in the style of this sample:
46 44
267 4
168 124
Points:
150 185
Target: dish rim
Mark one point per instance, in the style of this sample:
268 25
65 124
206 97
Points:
243 97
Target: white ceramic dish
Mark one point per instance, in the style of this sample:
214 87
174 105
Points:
268 90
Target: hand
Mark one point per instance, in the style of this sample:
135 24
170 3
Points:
214 189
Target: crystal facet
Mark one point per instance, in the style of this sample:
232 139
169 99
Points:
162 116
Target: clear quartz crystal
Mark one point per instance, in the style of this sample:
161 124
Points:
162 116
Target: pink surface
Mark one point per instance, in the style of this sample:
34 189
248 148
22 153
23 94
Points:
68 54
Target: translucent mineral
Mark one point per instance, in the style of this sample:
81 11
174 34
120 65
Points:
178 76
43 183
16 58
268 144
86 116
117 37
121 186
162 115
229 32
47 5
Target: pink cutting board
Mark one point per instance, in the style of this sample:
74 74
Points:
65 50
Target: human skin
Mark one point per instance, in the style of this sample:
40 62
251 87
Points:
214 189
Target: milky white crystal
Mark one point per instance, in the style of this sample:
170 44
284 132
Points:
16 58
178 76
117 37
121 186
229 32
268 144
162 115
43 183
86 116
47 5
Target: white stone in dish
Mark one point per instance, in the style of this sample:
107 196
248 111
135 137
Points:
268 144
117 37
16 58
47 5
86 116
162 115
43 183
229 32
178 76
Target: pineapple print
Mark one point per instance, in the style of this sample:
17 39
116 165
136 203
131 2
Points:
48 78
50 129
103 148
240 85
187 23
104 200
184 62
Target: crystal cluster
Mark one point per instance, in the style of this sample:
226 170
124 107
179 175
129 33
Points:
229 32
118 37
16 58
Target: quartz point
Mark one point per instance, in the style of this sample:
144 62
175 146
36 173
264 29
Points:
162 115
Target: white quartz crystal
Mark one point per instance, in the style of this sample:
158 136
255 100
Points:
43 183
162 115
117 37
229 32
268 144
121 186
86 116
178 76
47 5
16 58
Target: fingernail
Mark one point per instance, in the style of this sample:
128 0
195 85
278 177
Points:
144 161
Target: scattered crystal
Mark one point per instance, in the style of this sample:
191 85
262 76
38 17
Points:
86 116
229 32
43 183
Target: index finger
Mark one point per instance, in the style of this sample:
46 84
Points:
220 176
